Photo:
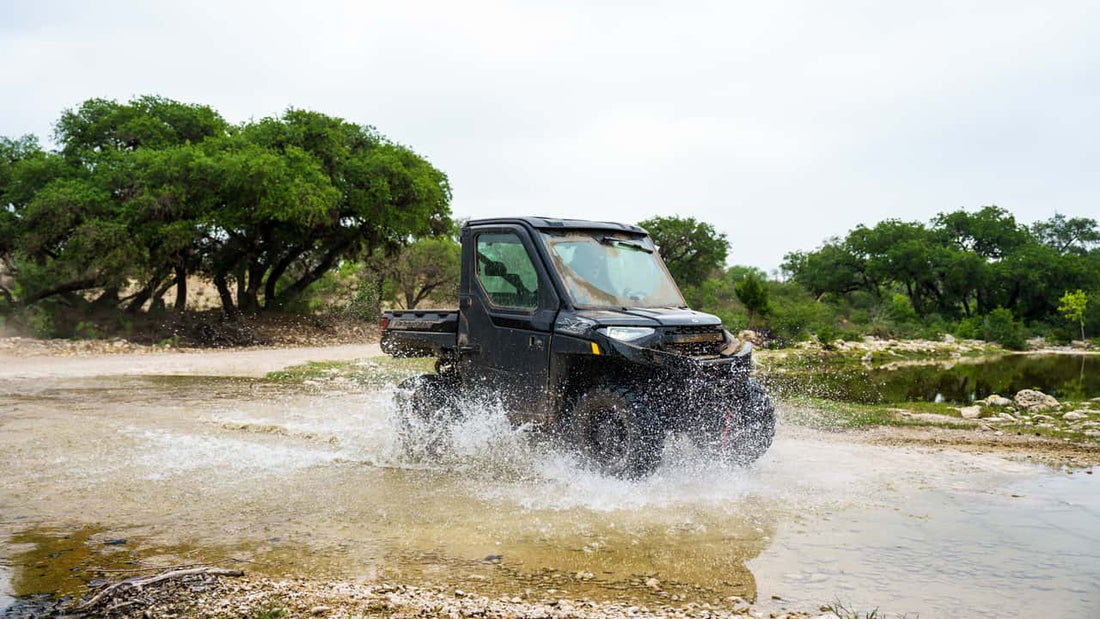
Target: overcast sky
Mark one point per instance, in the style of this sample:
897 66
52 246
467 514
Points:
782 123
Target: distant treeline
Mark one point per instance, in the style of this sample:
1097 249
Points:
973 274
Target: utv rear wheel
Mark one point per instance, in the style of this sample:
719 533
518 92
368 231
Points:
426 408
742 428
616 432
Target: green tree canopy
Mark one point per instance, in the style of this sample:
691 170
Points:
691 249
752 292
428 269
141 195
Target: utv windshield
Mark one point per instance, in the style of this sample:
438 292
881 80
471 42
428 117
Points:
612 270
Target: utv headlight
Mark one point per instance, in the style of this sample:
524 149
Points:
626 334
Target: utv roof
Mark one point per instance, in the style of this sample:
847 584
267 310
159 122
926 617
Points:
551 223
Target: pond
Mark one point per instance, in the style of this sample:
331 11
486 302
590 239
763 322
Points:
1066 376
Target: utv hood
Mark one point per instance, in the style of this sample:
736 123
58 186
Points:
648 317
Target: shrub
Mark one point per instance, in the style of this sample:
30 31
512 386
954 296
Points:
970 328
901 310
1001 327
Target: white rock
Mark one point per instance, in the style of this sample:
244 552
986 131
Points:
998 400
948 338
1074 416
1029 399
970 412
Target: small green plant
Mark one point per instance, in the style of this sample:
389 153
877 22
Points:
170 342
271 611
87 331
843 612
1072 305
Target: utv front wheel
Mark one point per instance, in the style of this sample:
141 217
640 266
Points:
616 432
741 429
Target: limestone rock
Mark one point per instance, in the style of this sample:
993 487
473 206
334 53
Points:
748 335
971 412
998 400
1031 400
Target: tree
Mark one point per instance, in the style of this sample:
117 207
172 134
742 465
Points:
1072 305
753 293
1075 235
691 249
143 194
426 269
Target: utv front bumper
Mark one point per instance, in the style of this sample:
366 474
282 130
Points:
731 368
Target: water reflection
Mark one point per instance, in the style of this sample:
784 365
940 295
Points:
1063 376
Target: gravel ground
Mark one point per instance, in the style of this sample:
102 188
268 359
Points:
208 597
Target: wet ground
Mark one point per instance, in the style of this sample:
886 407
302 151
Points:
99 472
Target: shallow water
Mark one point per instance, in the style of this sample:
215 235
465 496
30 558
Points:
960 382
309 481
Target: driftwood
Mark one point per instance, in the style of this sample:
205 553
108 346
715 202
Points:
138 583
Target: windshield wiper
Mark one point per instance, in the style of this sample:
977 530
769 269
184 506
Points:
610 240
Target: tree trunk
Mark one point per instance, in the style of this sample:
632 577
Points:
181 289
271 298
379 286
314 274
228 308
251 303
144 294
240 272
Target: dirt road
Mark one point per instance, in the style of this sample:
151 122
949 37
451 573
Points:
253 362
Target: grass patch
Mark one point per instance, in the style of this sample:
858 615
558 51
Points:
822 413
373 373
271 611
843 612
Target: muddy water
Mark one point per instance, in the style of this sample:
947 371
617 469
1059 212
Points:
100 473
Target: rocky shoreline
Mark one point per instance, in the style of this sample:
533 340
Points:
210 596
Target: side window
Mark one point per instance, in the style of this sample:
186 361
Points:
506 272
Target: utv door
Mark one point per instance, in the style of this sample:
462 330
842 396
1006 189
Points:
507 306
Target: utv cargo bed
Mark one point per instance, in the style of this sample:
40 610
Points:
419 333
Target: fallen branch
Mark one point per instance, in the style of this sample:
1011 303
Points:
138 583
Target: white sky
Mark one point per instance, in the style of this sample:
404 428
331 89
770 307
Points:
782 123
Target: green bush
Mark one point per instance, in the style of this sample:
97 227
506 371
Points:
827 334
901 310
970 328
1001 327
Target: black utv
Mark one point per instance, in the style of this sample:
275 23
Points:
578 327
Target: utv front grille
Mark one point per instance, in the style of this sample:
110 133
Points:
695 340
